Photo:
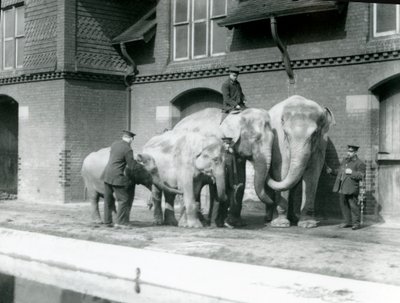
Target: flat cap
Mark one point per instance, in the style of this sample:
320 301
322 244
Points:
128 133
353 147
234 69
227 139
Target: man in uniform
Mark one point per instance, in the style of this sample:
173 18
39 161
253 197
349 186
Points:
347 184
116 180
228 216
233 97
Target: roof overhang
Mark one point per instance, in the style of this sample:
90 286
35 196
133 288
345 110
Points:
144 29
256 10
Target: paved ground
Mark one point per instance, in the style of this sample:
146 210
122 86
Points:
372 253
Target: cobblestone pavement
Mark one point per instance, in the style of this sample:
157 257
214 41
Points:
371 253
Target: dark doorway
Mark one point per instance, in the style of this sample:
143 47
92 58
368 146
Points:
195 100
8 145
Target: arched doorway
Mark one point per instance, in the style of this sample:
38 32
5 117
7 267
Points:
188 103
194 100
389 149
8 145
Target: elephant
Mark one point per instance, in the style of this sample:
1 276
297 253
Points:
92 170
184 160
252 133
298 154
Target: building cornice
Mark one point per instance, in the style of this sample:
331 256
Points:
206 73
272 66
47 76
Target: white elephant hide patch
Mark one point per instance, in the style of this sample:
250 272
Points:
230 127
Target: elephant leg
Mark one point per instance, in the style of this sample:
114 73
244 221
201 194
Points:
270 209
282 208
294 204
186 179
309 190
236 196
156 195
169 213
94 203
213 211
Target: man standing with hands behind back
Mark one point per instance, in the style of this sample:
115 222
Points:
347 184
116 181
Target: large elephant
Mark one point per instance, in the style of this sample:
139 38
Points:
300 138
92 170
183 160
253 137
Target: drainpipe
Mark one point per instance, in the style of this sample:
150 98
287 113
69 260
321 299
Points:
131 72
282 48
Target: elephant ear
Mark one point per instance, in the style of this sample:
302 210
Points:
230 127
330 117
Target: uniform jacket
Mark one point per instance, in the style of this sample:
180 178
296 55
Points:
121 155
232 95
349 184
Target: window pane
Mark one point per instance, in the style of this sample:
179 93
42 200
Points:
200 9
200 39
218 38
9 23
9 54
181 9
385 17
181 41
20 12
20 51
218 7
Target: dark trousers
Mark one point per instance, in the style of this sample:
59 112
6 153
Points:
124 196
351 210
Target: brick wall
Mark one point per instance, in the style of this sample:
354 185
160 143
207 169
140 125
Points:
95 114
40 35
98 22
41 139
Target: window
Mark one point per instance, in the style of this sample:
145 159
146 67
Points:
13 36
196 33
385 19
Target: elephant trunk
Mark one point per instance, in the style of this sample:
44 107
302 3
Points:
261 165
299 156
164 187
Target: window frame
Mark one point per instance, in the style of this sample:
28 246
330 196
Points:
396 31
16 37
209 20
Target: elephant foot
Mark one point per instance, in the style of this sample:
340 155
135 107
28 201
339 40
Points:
310 223
192 223
158 219
280 222
169 218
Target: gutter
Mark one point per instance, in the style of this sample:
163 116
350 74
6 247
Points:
131 72
282 48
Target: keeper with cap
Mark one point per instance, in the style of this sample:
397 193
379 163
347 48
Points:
347 184
116 180
233 97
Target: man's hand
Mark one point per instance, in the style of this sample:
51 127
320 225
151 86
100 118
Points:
348 171
237 106
328 170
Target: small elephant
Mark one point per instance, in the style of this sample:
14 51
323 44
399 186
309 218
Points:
182 159
298 154
92 170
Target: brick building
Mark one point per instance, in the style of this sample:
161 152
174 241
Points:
70 87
